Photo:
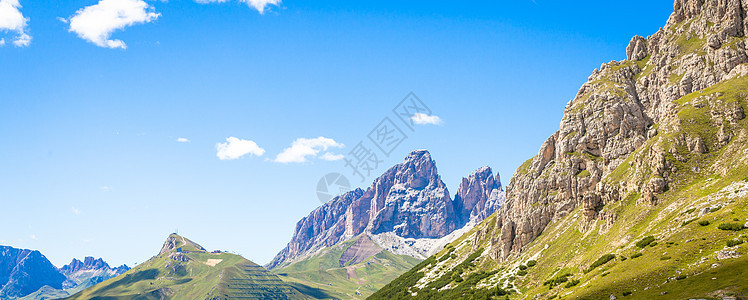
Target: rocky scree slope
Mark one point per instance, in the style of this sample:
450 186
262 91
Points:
648 146
405 210
353 269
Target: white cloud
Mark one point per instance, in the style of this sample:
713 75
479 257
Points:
97 22
259 5
11 19
2 42
331 156
235 148
183 140
302 148
76 211
105 188
23 41
33 237
424 119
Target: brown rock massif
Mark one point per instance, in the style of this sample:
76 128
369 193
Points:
623 106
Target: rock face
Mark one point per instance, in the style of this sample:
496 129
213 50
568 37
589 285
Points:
479 195
90 263
409 201
591 160
22 272
89 272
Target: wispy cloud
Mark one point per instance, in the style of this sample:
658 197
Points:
76 211
235 148
11 19
331 157
183 140
33 237
259 5
97 22
105 188
303 148
424 119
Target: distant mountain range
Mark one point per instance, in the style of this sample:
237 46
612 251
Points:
27 274
185 270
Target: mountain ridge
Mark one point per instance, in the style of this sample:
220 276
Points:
636 145
24 271
185 270
408 201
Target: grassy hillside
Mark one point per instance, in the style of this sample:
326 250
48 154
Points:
664 252
689 243
186 271
352 277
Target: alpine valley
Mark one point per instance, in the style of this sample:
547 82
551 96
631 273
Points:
642 193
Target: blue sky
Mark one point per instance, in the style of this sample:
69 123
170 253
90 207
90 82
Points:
89 159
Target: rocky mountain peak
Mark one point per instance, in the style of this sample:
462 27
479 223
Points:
177 243
728 15
25 271
408 201
479 195
417 171
411 200
88 263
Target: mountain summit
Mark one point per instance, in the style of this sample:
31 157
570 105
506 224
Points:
408 202
185 270
359 241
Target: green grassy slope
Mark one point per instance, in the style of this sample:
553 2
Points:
193 274
323 270
46 292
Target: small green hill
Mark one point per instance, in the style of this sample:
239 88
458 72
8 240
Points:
185 270
350 270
